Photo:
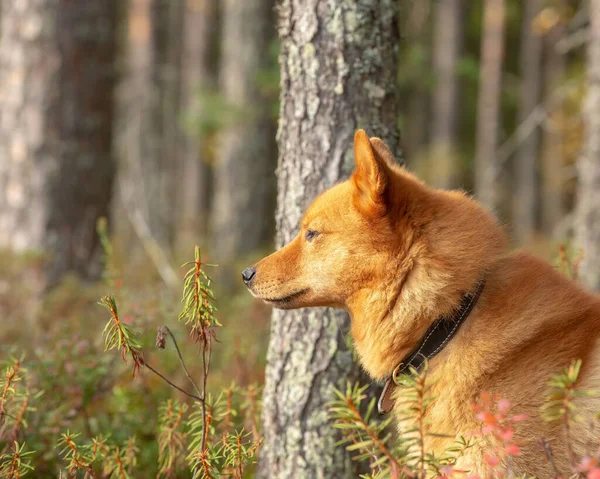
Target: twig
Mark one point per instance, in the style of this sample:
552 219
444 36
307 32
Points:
548 451
526 128
377 442
574 40
537 116
170 383
165 329
206 350
142 230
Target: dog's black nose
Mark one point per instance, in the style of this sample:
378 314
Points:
248 274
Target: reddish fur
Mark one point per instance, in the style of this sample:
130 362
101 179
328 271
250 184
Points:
397 255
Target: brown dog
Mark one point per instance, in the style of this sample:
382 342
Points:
399 256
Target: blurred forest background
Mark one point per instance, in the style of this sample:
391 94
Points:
161 116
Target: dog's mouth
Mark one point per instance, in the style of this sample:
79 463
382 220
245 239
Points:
286 300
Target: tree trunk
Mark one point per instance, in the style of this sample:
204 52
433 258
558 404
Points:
447 45
56 164
524 205
199 77
587 226
416 129
149 102
330 87
552 194
488 103
165 116
244 198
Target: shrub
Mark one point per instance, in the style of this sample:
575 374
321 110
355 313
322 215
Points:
206 434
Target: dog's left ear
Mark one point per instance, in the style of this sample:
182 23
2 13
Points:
371 176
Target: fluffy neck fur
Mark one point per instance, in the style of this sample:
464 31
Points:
446 243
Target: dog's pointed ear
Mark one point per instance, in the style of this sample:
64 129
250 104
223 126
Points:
381 149
371 176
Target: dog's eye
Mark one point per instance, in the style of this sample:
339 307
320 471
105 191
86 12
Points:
311 234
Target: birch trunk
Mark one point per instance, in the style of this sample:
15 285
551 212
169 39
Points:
587 225
338 68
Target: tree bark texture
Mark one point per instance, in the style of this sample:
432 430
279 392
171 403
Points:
524 206
447 46
244 198
199 75
488 103
56 165
587 225
338 69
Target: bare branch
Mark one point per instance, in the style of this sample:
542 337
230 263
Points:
165 329
172 384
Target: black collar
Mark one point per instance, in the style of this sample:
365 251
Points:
434 340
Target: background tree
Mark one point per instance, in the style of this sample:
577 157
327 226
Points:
524 204
56 164
414 78
552 205
199 80
488 103
244 180
150 136
445 115
329 89
587 227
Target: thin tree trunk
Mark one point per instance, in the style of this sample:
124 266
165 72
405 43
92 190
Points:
56 164
524 205
199 77
488 104
149 133
447 45
415 133
329 89
244 176
587 225
552 194
166 125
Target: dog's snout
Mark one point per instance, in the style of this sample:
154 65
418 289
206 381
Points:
248 274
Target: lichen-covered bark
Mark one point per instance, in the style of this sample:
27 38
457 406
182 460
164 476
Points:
587 227
56 168
244 197
338 68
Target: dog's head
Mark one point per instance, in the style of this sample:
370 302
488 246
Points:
369 233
